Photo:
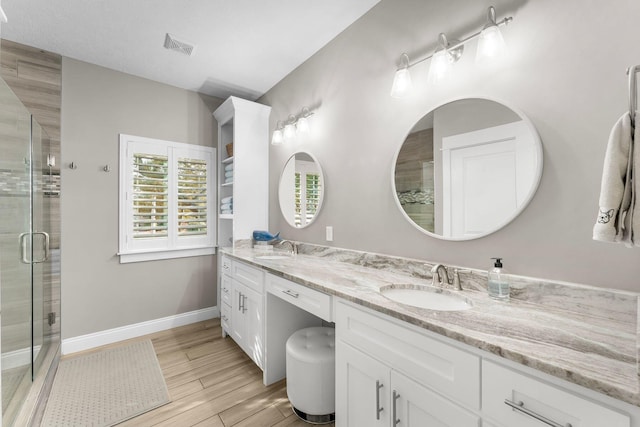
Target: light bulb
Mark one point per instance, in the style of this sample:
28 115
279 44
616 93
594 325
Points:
302 126
277 137
402 84
440 65
491 44
289 132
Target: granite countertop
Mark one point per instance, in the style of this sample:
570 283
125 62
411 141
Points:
581 334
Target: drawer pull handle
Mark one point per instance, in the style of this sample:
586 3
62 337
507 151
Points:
291 293
378 408
519 406
396 396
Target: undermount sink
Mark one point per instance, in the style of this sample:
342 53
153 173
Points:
273 256
425 297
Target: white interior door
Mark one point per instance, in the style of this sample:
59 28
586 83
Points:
486 177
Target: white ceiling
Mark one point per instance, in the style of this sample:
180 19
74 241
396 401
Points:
243 47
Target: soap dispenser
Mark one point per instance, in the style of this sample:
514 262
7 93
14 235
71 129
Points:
498 281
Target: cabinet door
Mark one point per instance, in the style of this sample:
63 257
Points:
416 406
254 323
237 327
362 389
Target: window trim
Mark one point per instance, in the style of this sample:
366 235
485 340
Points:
173 246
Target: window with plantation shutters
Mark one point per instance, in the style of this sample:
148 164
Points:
150 196
166 189
307 197
192 197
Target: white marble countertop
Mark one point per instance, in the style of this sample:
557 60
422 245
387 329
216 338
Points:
584 335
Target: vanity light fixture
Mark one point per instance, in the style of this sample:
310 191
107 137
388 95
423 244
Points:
277 137
294 125
290 128
443 59
491 45
302 126
402 80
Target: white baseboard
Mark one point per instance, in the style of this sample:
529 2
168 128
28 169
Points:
96 339
16 358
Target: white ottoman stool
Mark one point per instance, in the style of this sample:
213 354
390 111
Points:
311 374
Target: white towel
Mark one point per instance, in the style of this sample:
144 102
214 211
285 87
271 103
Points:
226 207
228 174
226 212
228 199
228 180
228 167
618 192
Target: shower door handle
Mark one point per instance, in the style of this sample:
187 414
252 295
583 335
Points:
45 246
23 248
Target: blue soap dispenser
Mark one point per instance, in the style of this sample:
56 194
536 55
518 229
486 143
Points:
498 281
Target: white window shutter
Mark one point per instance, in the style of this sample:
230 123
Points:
166 189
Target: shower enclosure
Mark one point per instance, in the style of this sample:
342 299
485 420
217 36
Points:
29 262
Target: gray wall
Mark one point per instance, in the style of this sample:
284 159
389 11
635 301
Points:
566 72
99 293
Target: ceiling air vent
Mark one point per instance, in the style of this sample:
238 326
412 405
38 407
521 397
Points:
171 43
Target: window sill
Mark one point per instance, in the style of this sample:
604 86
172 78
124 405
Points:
129 257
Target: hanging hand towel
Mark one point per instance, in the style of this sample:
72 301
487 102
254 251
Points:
615 218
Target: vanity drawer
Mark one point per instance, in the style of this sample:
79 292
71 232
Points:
225 289
311 301
444 368
226 264
252 277
501 384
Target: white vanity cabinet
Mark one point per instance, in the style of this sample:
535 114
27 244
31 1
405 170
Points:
385 366
243 286
387 374
370 393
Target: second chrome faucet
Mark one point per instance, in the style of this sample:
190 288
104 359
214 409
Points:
440 276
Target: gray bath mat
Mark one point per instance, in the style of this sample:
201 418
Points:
107 387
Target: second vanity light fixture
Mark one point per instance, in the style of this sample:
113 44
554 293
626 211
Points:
490 46
287 130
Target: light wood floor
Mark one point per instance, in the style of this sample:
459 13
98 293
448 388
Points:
213 383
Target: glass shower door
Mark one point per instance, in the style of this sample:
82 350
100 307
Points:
15 252
41 266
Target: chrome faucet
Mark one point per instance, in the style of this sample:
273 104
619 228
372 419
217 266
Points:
438 278
294 246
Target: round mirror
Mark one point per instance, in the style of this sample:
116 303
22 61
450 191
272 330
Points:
301 189
467 169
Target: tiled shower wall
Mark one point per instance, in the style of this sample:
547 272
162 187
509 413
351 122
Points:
35 76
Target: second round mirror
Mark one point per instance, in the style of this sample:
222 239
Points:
467 169
301 189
